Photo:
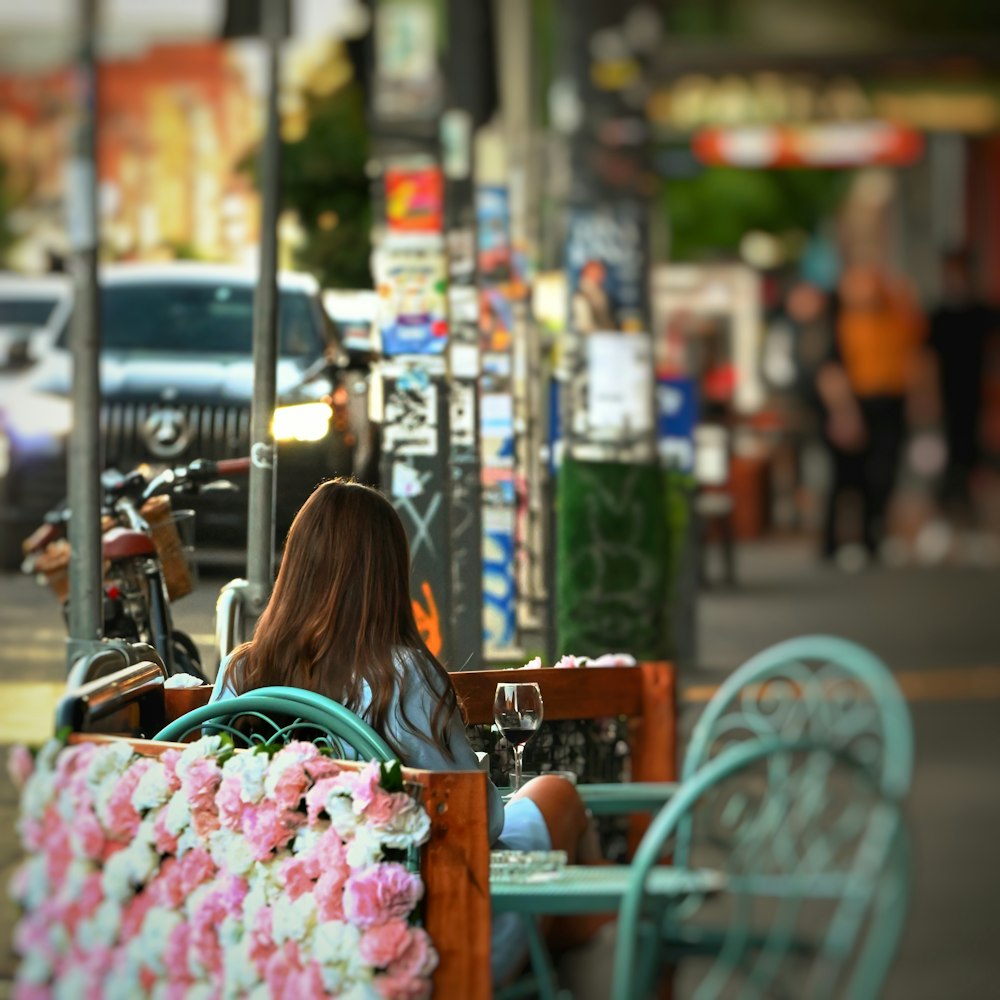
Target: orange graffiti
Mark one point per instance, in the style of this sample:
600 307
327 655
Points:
428 620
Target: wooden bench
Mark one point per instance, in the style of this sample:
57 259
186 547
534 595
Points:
646 694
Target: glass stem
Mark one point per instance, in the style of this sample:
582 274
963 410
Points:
518 750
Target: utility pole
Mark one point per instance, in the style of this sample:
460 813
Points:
411 275
274 26
86 614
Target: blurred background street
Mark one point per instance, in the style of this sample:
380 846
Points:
669 329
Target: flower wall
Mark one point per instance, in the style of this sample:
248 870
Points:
209 873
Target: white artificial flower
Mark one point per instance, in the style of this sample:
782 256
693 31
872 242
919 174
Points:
34 968
251 770
239 974
364 990
267 876
129 869
71 984
364 849
45 759
230 851
75 877
336 946
37 794
188 841
34 884
109 761
411 827
177 815
157 927
101 929
283 761
201 990
294 920
307 837
206 746
152 790
343 819
254 900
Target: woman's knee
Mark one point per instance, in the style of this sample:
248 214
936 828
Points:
561 807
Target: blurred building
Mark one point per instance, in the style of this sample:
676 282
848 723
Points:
178 124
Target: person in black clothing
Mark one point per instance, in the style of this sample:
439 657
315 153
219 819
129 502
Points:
960 326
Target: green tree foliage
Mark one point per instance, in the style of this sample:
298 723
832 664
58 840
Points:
324 181
710 213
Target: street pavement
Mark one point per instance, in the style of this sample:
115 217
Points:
938 628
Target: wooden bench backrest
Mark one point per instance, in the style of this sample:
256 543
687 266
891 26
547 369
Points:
645 693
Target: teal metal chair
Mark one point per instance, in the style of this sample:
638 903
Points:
790 852
272 715
820 686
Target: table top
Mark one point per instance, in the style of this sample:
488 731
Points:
595 888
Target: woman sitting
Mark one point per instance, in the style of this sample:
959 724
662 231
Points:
340 623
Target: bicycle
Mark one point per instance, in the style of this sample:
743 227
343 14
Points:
145 562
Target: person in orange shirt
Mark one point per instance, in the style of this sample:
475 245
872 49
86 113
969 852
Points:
876 362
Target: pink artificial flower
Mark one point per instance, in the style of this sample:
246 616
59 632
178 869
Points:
85 904
196 867
329 894
164 841
204 939
134 913
306 983
166 885
299 875
262 945
200 783
147 978
31 991
20 765
230 803
87 834
384 943
168 761
418 958
380 892
372 801
321 767
267 827
570 662
393 987
317 795
176 951
280 966
58 854
123 820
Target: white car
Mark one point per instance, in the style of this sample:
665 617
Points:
32 311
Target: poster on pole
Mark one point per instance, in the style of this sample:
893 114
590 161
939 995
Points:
619 381
604 262
413 303
493 235
414 200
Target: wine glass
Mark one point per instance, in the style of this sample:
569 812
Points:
518 711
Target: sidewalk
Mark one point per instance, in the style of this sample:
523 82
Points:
939 626
939 629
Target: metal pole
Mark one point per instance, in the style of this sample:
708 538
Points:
84 460
263 454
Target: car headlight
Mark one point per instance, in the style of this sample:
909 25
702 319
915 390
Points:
301 422
38 415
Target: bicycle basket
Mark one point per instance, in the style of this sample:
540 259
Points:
167 527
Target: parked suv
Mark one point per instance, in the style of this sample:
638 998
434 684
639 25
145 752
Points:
176 383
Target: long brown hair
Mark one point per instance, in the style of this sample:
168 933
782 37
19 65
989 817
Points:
340 610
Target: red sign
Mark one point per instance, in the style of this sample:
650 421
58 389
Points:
414 200
835 144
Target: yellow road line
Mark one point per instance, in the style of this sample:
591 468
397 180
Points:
947 684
